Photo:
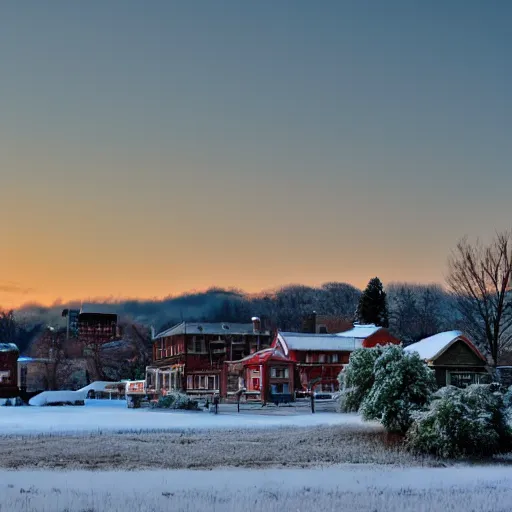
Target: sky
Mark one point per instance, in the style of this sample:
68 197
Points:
152 148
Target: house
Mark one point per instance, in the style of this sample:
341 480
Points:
320 358
369 335
267 375
96 324
190 356
454 358
91 324
9 370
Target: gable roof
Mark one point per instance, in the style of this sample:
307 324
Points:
431 348
198 328
8 347
267 354
323 342
360 331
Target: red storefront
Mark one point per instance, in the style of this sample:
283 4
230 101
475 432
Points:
267 375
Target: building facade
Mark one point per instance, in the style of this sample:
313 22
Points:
267 375
92 324
320 358
9 354
191 357
454 358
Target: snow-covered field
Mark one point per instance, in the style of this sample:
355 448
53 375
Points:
114 416
349 487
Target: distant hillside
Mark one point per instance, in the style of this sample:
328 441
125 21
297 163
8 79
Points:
285 306
429 308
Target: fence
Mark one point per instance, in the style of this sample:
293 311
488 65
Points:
299 406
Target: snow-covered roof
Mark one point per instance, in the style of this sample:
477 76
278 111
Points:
220 328
55 397
431 348
8 347
323 342
360 331
265 355
26 359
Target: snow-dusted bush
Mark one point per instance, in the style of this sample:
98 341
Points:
177 401
462 422
356 379
403 384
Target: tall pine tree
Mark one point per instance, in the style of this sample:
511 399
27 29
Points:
373 306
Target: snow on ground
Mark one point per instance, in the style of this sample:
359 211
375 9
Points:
114 416
348 487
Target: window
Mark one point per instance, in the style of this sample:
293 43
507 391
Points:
196 345
5 377
278 389
464 379
279 373
309 358
322 329
321 358
209 382
199 382
334 358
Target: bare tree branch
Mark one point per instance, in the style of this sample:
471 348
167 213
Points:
479 278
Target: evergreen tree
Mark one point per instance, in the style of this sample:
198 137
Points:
356 380
403 385
373 307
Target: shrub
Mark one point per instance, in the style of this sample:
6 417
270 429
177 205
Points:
507 401
357 378
403 384
462 422
177 401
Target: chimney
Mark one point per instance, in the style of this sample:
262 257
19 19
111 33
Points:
309 324
256 324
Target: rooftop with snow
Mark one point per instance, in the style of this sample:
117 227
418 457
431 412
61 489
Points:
431 348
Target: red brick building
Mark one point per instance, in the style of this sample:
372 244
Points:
9 354
320 358
191 356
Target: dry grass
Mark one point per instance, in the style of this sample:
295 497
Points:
301 447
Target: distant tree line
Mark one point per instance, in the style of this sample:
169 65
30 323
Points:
412 311
478 300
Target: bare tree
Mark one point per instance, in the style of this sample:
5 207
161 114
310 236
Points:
8 326
49 346
479 278
127 358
